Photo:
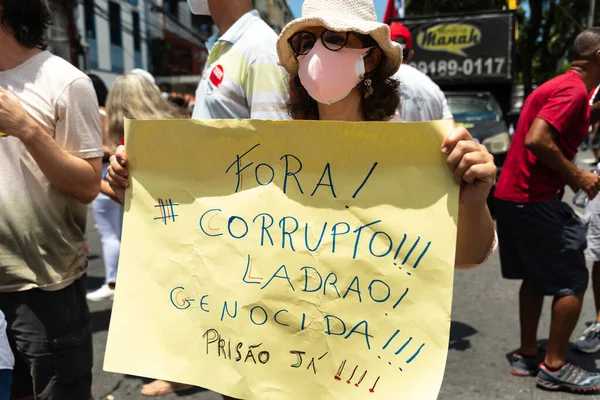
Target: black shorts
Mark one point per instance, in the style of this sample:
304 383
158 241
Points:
49 333
543 243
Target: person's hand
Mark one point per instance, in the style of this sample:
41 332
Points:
472 165
118 175
14 120
589 182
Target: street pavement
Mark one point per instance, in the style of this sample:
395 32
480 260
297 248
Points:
484 332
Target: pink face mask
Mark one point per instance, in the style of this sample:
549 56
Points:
328 76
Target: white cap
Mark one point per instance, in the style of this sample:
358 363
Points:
144 73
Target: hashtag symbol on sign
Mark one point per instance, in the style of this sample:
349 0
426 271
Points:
167 210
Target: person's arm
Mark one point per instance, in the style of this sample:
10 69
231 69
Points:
475 236
107 190
118 175
594 132
69 173
595 113
541 141
474 170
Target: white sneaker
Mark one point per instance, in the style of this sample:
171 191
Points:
590 341
104 293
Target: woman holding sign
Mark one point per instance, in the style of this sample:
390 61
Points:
340 69
340 61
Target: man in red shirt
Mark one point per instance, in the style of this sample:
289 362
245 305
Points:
541 239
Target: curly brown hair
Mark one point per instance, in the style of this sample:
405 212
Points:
379 106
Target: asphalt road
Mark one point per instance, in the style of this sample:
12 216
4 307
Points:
484 333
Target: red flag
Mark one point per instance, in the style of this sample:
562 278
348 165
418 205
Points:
390 11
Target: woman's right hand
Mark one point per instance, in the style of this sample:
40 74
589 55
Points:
118 175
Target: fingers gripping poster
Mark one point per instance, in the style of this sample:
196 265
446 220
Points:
287 260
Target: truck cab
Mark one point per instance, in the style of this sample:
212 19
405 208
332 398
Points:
480 113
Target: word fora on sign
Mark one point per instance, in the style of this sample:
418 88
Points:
264 174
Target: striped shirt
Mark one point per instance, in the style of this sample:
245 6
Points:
242 78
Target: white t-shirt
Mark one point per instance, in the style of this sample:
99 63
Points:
7 361
42 229
421 99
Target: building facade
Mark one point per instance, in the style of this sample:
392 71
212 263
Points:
111 37
114 35
276 12
178 52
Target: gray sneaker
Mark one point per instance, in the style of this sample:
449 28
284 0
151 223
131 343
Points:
523 366
589 342
569 378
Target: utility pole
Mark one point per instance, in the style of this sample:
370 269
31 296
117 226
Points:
592 12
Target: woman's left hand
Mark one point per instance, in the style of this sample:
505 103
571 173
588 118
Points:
472 165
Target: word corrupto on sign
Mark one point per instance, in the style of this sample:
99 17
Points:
288 229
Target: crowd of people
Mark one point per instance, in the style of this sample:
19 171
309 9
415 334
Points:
63 148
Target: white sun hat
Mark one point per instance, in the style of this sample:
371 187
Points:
340 16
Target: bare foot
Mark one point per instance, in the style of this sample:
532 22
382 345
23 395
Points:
160 388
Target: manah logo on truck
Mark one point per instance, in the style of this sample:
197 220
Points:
451 38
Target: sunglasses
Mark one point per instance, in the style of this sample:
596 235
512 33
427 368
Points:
302 42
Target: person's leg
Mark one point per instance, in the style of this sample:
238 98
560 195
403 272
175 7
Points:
114 215
589 341
596 287
52 334
108 216
531 302
22 383
511 233
566 278
5 383
565 314
159 387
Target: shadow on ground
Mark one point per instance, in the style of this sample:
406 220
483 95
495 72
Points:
459 333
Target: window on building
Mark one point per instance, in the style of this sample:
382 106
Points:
114 16
89 19
172 7
137 39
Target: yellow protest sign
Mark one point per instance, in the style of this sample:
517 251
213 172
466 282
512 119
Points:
287 260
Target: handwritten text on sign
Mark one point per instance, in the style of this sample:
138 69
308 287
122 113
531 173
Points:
269 260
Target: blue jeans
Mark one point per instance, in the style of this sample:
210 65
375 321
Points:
5 382
109 218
